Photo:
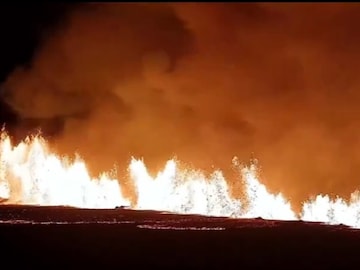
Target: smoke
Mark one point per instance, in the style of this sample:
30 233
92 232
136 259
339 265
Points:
204 82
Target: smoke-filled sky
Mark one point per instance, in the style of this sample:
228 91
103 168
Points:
204 82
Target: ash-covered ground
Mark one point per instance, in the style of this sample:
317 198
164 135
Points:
61 237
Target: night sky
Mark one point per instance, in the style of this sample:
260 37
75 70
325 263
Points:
22 28
203 82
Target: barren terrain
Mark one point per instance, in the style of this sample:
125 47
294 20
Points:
71 238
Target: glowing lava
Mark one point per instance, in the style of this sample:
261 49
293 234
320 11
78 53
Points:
31 174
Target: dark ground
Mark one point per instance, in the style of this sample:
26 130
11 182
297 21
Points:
55 237
63 238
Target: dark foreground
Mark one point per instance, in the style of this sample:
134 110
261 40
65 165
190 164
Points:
66 238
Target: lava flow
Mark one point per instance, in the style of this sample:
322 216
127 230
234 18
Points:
31 174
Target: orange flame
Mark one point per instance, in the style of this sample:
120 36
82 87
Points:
31 174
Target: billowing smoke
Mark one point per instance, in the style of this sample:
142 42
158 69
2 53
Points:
204 82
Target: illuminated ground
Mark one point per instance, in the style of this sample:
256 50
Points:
73 238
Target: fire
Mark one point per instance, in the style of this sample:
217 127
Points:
31 174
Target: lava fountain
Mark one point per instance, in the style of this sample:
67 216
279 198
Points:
31 174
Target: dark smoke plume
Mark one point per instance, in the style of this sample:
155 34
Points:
204 82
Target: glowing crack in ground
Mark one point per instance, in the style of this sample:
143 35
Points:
31 174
